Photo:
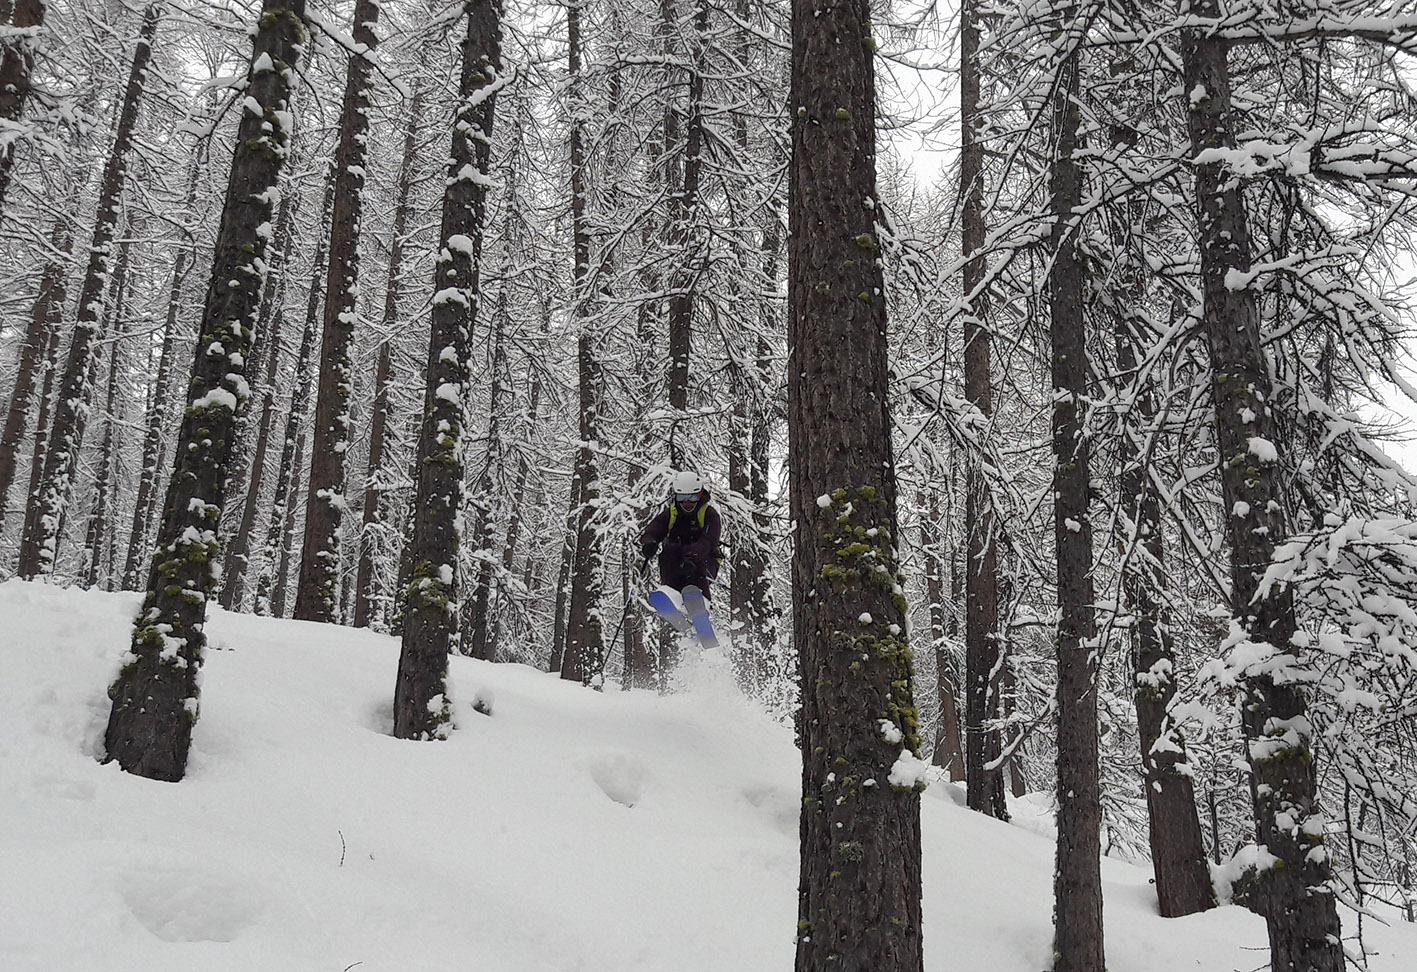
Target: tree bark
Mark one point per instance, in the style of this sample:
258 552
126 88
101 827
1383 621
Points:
585 646
54 301
99 534
422 709
237 566
280 530
316 596
859 890
949 751
157 425
1077 883
1183 882
1296 891
155 696
39 547
16 65
289 506
38 336
378 421
984 790
683 166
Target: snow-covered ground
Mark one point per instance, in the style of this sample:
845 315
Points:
571 830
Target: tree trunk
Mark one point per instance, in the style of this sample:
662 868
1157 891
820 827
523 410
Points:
155 696
280 529
1296 890
683 172
100 528
488 491
761 616
422 709
53 301
563 579
316 597
378 421
371 516
585 646
16 63
949 751
1183 882
1077 883
519 493
984 790
39 548
157 428
38 336
271 327
859 890
289 513
272 582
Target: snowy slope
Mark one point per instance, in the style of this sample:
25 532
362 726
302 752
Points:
570 831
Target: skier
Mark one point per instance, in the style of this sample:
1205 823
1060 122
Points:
688 558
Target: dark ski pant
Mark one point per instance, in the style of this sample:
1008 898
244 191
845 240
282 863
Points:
679 575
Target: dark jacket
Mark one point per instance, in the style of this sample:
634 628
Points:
688 553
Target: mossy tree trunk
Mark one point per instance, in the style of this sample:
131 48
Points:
859 888
1296 890
40 545
421 706
317 595
155 696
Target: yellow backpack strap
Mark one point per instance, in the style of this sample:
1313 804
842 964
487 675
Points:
703 514
673 513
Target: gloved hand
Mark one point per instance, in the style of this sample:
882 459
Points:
648 548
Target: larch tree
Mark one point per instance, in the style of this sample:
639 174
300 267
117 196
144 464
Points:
1183 880
1077 886
984 790
100 530
40 544
380 420
38 337
250 467
859 887
160 411
422 709
316 597
1298 899
584 638
155 694
17 53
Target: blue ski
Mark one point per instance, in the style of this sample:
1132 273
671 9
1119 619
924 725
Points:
663 603
697 609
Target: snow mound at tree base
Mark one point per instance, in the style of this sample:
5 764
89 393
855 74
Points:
569 830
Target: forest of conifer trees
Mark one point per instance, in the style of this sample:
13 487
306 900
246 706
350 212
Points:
1045 362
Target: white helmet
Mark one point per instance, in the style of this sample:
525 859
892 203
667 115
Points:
686 485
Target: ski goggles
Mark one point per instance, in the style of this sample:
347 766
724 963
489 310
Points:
687 497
